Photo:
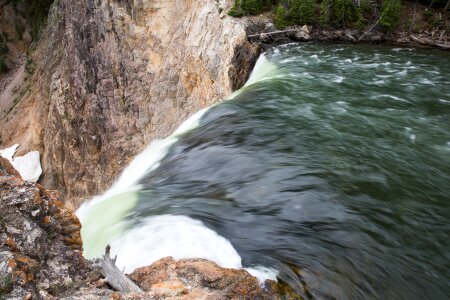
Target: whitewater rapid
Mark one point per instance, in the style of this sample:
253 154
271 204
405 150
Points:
104 218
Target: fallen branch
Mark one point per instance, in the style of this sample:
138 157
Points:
272 32
114 277
428 42
370 29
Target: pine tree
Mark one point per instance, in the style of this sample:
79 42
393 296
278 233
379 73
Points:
325 12
280 17
301 11
345 12
390 15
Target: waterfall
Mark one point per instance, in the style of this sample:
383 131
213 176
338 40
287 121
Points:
104 218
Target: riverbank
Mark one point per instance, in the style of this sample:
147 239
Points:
268 39
262 31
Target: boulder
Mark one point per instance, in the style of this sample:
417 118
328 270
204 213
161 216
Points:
302 36
199 279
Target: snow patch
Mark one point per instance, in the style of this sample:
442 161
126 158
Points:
28 165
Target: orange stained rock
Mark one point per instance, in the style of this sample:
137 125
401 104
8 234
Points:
37 198
11 243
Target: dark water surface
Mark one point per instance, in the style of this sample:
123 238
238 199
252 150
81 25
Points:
332 167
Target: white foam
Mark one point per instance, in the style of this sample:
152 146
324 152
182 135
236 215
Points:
372 65
402 49
177 236
144 162
263 68
396 98
338 79
263 273
426 81
379 82
411 136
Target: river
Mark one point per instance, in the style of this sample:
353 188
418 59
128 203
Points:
329 171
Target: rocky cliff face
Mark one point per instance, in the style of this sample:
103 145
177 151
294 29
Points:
109 76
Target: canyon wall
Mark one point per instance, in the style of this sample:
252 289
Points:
108 76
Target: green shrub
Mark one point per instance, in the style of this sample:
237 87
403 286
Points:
280 17
249 7
324 12
366 7
301 11
390 14
344 13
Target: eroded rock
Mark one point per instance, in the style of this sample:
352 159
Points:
199 279
41 249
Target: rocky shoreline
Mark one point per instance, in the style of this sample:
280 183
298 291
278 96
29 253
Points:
261 31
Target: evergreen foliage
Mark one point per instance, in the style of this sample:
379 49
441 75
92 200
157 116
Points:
301 11
344 12
3 52
325 12
338 13
390 14
249 7
280 17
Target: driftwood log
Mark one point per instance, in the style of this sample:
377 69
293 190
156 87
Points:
429 42
258 35
113 276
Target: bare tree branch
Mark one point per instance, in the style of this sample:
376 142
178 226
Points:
114 277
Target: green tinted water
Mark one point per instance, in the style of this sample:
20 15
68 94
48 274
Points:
332 166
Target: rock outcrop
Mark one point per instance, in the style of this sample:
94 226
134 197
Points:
40 248
199 279
109 76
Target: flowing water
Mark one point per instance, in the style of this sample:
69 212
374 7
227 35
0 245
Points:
328 171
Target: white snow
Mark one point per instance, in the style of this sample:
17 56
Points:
28 165
8 153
